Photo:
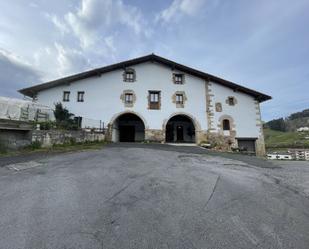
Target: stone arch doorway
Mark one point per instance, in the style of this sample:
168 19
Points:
128 127
180 128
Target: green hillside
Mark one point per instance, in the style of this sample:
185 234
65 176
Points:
278 139
290 123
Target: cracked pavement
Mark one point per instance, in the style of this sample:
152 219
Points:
127 196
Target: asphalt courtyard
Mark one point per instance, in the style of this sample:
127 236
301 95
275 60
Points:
150 196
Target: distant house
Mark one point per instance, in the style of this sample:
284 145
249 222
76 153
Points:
301 129
156 99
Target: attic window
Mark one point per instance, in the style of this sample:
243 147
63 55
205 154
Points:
178 78
231 101
129 75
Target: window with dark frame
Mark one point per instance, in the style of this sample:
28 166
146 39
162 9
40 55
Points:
128 98
231 100
178 78
179 99
80 96
129 75
154 100
66 96
226 124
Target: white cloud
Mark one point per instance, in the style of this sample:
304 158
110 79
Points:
89 31
95 17
179 8
60 25
70 60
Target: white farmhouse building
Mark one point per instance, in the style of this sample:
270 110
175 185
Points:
155 99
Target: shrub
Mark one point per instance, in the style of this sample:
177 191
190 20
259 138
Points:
72 141
3 147
64 119
35 145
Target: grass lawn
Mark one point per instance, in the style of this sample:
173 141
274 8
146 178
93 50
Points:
280 140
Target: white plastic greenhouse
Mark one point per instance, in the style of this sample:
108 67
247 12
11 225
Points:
23 110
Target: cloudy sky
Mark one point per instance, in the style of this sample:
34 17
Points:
262 44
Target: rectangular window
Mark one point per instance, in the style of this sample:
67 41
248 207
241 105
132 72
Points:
231 101
128 98
129 75
179 99
154 100
66 96
178 78
80 96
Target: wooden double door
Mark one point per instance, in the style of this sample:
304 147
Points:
170 133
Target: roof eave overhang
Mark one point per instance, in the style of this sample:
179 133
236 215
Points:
32 91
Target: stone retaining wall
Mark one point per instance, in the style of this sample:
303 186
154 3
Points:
50 137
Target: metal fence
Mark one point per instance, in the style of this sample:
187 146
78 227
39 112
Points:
93 124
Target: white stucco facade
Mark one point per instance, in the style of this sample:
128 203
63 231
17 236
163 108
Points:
243 113
102 95
205 104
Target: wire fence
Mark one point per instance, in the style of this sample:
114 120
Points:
93 124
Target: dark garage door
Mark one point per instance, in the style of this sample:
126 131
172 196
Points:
246 145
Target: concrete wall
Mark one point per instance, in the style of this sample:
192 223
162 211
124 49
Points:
50 137
14 139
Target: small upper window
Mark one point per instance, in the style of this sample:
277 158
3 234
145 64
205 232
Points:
226 124
154 100
178 78
231 100
128 98
80 96
129 75
179 99
66 96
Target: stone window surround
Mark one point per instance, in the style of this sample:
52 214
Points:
148 99
182 78
179 105
232 123
122 97
226 124
129 70
218 107
227 101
